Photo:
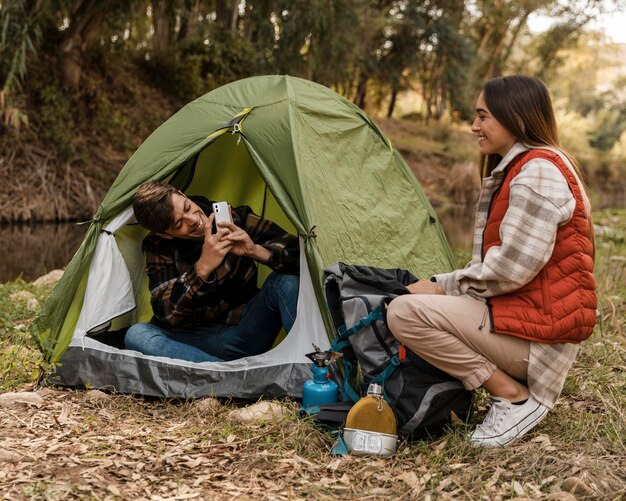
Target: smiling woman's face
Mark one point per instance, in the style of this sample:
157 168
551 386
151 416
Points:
493 138
189 219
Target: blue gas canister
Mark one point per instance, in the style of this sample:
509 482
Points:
320 389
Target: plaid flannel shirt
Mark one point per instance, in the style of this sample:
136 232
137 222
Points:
179 297
540 201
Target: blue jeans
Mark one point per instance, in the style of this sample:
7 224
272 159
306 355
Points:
271 308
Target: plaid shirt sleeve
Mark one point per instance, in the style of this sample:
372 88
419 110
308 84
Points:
283 246
174 295
540 200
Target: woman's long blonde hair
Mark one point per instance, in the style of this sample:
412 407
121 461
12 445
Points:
523 106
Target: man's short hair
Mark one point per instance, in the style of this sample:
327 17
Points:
152 205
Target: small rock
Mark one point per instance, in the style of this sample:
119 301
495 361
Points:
208 405
49 278
27 297
261 411
576 486
7 399
95 396
22 296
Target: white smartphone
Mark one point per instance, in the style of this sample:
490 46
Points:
222 213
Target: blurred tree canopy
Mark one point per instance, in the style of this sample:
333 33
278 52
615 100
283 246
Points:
370 51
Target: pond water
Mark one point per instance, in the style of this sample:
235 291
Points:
30 251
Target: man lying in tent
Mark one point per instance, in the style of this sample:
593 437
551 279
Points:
203 279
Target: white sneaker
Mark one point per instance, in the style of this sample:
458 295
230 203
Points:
506 421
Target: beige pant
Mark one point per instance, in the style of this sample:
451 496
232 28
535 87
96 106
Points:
446 331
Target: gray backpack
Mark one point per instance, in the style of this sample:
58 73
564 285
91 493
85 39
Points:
424 398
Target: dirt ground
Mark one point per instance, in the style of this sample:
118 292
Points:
66 444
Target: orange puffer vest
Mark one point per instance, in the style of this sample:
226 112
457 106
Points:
559 304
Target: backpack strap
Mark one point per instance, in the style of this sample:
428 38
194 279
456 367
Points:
348 393
395 362
376 314
342 342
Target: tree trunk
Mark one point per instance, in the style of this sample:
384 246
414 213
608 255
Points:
189 20
84 28
518 28
392 102
227 14
163 23
441 106
361 91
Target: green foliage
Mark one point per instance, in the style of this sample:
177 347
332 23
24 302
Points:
55 119
19 359
610 119
197 67
178 76
574 131
371 52
19 34
223 59
318 39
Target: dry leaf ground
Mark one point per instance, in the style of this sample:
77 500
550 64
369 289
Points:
89 445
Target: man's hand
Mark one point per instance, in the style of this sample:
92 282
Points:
242 244
214 249
425 287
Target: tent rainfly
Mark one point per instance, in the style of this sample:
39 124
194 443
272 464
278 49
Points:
297 153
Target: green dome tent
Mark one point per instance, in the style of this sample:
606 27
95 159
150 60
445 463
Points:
297 153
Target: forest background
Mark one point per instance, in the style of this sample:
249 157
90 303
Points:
84 82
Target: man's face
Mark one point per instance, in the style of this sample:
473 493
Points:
189 221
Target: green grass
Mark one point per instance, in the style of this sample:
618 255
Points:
19 357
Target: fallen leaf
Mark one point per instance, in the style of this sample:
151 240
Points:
114 490
10 456
517 488
562 496
333 465
440 445
455 418
457 466
542 439
411 479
